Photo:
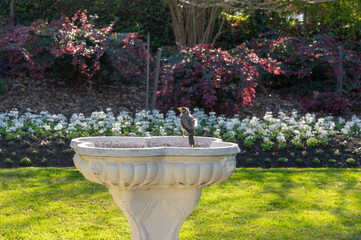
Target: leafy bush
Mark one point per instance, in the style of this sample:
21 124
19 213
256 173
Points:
3 87
73 48
267 146
126 53
328 102
332 160
351 161
340 18
282 160
316 161
25 161
299 160
210 78
312 142
8 161
313 66
78 38
249 160
15 44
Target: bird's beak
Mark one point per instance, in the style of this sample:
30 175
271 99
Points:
179 109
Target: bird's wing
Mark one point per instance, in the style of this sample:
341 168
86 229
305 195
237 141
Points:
188 124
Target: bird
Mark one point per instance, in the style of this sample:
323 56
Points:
188 124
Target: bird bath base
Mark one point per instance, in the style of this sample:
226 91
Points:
156 181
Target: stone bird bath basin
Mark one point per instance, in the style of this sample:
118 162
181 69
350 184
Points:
156 181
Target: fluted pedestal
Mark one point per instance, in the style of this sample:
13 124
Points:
156 213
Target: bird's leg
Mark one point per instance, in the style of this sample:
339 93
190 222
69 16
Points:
183 134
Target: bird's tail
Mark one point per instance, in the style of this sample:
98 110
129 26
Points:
191 140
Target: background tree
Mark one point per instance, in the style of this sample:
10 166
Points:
194 20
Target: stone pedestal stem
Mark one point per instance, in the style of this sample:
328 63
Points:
156 214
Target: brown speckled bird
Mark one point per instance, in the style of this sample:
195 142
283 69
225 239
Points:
188 124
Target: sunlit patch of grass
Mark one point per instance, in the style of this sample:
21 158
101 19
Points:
280 204
58 203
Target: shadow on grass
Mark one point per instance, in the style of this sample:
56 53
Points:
51 197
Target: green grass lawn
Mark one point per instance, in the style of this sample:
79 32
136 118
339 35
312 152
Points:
58 203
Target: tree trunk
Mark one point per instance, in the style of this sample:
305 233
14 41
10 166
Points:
12 10
193 24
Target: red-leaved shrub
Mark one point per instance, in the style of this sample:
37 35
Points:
210 78
322 59
328 102
50 47
128 56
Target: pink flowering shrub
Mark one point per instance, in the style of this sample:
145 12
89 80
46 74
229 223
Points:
49 48
81 40
210 78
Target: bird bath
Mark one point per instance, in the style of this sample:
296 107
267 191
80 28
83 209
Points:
156 181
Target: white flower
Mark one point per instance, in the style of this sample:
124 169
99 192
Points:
58 127
46 127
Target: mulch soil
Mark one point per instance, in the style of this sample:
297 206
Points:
26 93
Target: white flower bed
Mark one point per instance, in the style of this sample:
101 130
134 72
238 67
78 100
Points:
271 129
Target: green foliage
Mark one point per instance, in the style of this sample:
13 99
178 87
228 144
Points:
51 152
299 160
341 18
248 142
297 143
267 146
316 161
319 151
25 161
282 145
282 160
3 87
312 142
8 161
331 160
10 137
351 161
249 160
267 160
323 141
67 151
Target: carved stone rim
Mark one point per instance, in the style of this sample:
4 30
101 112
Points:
140 146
